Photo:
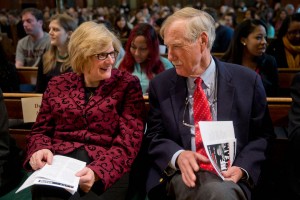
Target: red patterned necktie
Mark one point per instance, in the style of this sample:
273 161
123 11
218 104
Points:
201 113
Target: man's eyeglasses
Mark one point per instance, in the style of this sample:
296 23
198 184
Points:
103 56
186 107
293 33
188 99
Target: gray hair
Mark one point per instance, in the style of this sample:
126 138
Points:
197 21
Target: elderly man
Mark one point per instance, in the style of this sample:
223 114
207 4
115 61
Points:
178 166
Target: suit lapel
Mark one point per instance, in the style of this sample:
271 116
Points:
225 92
178 96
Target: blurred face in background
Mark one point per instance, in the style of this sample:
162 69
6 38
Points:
58 35
139 49
255 44
31 24
293 33
121 23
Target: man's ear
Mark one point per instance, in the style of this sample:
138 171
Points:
203 40
41 22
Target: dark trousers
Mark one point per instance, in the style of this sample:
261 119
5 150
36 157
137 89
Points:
208 186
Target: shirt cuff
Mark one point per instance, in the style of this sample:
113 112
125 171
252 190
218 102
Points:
172 164
246 175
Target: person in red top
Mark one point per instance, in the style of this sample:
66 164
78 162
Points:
94 114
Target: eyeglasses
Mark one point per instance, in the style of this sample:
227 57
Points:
103 56
293 33
189 100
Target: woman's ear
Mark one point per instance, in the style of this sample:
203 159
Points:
69 34
243 41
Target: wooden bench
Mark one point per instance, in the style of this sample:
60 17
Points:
286 76
27 75
15 112
278 108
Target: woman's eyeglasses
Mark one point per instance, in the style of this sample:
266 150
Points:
103 56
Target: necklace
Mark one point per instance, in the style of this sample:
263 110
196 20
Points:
89 93
62 57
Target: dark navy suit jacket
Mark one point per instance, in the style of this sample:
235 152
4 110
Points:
240 97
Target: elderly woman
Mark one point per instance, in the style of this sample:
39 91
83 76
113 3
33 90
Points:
94 114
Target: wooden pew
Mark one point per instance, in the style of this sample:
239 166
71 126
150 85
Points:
278 108
14 111
286 76
27 75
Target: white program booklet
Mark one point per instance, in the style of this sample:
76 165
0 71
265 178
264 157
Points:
61 173
219 142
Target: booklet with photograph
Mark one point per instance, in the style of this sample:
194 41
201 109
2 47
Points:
61 173
219 143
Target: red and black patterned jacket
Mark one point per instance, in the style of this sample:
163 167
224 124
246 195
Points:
109 126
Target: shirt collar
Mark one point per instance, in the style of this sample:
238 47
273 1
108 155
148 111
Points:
208 76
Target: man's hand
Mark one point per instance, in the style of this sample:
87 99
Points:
187 162
233 174
87 179
40 158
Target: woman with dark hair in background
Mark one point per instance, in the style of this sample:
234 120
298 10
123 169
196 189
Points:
121 27
286 48
142 57
248 49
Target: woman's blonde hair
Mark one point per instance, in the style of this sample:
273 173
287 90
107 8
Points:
49 58
89 39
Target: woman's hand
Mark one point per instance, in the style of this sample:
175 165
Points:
40 158
87 179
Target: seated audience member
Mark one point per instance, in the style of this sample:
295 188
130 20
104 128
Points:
121 27
10 155
9 80
56 59
223 33
31 48
286 47
178 165
230 20
294 141
280 17
250 13
94 114
142 57
248 48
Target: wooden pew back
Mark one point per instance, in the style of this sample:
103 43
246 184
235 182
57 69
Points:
278 107
286 76
14 110
27 75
